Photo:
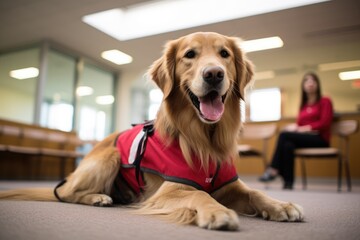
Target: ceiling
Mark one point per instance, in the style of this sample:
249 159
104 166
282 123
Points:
315 34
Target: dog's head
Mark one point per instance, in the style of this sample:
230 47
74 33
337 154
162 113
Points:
208 68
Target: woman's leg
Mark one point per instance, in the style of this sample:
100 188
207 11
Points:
283 158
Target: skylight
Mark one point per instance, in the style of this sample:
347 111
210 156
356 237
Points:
157 17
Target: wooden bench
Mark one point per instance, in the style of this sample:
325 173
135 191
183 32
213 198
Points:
32 142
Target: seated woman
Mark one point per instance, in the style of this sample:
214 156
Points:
312 129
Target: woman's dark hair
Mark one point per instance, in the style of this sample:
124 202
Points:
304 97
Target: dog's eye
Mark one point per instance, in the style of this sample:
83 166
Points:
224 53
190 54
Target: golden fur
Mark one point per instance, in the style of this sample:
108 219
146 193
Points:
179 71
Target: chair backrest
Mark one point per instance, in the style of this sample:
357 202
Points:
10 130
259 131
345 128
36 134
56 137
75 141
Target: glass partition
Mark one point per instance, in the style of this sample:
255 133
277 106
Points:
76 95
18 80
95 100
57 110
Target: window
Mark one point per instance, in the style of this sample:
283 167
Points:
57 115
242 111
75 96
155 96
18 80
57 107
139 103
265 104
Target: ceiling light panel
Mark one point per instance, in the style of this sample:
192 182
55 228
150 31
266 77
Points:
261 44
350 75
117 57
157 17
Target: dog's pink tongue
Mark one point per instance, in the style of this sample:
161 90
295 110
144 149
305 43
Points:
211 108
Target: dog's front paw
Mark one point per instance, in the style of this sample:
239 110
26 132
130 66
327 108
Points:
218 219
283 212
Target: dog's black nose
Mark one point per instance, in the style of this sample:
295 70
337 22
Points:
213 75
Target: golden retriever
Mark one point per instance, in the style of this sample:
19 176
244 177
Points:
203 77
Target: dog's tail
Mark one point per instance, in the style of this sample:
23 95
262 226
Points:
30 194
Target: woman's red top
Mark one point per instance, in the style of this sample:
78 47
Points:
319 116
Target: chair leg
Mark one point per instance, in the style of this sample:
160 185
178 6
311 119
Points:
303 172
264 162
347 172
339 172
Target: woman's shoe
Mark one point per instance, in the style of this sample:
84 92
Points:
267 176
288 186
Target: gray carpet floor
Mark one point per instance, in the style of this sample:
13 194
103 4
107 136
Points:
328 215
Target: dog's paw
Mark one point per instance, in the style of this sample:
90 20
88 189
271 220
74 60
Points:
219 219
101 200
283 212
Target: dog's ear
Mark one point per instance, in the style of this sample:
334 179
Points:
244 69
162 71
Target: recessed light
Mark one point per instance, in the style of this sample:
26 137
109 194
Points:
350 75
24 73
84 91
116 57
105 100
155 17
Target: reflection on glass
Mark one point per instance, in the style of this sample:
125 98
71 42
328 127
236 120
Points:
17 88
95 99
57 107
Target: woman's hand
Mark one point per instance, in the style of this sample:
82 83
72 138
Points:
306 128
291 127
296 128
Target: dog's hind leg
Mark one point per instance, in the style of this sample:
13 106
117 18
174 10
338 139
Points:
91 182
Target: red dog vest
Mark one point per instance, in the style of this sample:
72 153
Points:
167 162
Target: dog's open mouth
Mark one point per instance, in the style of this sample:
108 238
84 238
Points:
210 106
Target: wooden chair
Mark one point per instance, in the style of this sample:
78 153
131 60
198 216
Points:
36 143
29 142
9 135
262 132
343 129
